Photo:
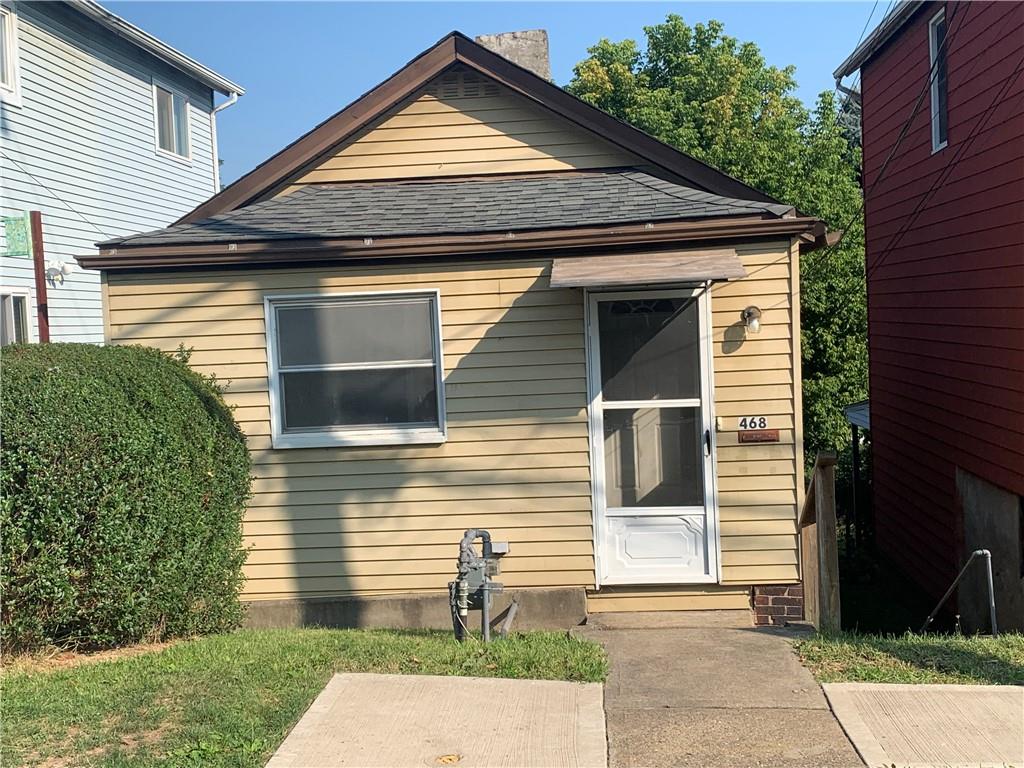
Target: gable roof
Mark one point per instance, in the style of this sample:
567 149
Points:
158 48
891 23
435 206
453 49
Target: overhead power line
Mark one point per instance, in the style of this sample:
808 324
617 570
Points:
954 16
53 194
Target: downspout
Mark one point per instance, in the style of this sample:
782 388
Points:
232 98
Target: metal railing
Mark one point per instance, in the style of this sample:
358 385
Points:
991 591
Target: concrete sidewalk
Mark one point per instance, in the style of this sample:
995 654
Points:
411 721
914 726
712 696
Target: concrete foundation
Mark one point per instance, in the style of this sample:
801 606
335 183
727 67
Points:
992 519
554 609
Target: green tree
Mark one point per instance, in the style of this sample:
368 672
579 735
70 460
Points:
717 100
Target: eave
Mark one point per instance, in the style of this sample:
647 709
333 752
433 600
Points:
881 34
522 244
142 39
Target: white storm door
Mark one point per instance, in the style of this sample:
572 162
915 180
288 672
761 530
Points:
652 437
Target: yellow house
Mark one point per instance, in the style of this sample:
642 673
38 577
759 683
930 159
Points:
470 300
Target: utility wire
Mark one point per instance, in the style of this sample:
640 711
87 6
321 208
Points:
53 194
903 132
947 169
861 36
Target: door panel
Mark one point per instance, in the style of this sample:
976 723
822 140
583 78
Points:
655 521
656 550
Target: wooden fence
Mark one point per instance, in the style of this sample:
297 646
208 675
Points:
819 551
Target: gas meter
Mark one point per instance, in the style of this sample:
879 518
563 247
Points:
474 586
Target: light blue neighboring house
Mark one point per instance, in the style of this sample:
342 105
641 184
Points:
105 130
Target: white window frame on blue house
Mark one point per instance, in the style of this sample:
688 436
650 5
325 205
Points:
10 91
159 85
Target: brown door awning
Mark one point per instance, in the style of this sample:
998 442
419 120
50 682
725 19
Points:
646 268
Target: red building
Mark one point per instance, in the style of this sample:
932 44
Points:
942 92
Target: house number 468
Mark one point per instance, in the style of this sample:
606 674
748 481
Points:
753 422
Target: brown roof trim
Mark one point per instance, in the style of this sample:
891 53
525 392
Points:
455 48
282 252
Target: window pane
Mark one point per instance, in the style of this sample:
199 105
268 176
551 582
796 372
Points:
5 49
940 76
653 458
397 396
355 332
6 319
650 349
20 319
180 125
164 120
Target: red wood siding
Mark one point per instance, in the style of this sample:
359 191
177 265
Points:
945 261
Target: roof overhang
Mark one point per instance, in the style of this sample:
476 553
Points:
455 48
888 27
158 48
564 240
859 414
652 268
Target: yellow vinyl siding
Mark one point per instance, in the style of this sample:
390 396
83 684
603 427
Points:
333 521
379 520
448 131
754 376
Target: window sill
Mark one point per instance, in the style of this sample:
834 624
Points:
10 98
185 159
366 439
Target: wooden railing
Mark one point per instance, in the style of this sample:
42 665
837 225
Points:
819 552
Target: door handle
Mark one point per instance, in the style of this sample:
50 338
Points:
707 442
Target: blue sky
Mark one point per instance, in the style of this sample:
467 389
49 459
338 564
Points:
300 62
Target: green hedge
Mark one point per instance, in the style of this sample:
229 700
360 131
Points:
124 478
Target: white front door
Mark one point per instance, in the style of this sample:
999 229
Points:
652 437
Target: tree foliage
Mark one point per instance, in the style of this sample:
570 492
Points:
716 99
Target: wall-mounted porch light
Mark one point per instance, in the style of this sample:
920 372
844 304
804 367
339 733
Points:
752 319
56 271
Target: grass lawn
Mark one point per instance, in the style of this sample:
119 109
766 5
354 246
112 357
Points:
910 658
229 700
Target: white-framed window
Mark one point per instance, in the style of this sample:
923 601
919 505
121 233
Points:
14 309
10 80
172 124
355 369
940 109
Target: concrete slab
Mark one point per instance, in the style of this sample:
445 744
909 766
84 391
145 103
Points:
914 726
727 738
411 721
707 667
715 696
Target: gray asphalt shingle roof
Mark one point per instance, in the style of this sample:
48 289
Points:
433 207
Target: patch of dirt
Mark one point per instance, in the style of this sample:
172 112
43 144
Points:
56 658
132 741
70 756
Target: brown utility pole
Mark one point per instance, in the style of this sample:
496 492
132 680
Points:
38 261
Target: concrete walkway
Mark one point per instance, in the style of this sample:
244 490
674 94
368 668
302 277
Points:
411 721
682 693
914 726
